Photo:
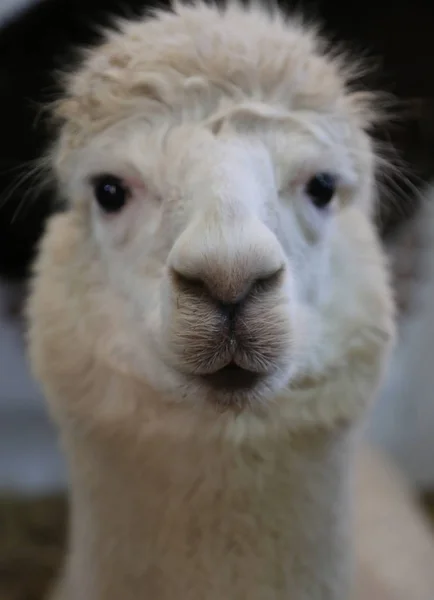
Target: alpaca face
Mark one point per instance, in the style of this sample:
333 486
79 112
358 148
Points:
215 241
218 231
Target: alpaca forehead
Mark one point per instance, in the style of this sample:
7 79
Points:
190 60
192 169
286 150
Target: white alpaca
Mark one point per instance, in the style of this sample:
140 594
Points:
211 315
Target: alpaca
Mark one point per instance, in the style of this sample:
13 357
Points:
211 315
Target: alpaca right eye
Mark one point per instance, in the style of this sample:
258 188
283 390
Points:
110 193
321 189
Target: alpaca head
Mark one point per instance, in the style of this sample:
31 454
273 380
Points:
217 241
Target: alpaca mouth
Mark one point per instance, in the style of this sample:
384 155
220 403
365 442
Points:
232 378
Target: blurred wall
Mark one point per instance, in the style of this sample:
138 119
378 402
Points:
9 7
29 457
403 418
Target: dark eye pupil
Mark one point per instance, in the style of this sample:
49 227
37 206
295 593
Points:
321 189
110 193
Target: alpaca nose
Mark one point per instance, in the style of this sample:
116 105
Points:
226 292
227 266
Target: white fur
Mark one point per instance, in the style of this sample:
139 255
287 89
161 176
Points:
215 121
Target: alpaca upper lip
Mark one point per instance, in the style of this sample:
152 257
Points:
232 377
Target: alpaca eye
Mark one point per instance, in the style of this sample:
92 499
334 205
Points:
110 193
321 189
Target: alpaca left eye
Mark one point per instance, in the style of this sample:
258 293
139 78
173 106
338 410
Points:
321 189
110 193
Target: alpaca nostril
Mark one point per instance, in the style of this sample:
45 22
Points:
267 283
188 284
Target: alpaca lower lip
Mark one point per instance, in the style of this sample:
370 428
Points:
232 377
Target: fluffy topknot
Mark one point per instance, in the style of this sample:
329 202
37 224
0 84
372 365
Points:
196 60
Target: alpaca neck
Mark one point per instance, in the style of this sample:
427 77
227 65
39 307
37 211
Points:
206 522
